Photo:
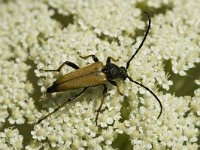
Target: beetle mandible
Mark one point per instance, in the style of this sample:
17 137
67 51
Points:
95 74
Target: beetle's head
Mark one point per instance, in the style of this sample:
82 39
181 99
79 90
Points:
112 71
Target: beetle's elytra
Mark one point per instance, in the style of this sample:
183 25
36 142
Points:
84 77
95 74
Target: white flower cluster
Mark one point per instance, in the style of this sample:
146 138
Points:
37 35
11 139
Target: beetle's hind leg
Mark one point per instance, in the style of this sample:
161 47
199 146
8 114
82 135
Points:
100 106
71 64
62 105
95 59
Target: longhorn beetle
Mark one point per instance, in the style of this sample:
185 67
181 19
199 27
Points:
95 74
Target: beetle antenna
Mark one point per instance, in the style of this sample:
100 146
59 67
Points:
144 38
150 92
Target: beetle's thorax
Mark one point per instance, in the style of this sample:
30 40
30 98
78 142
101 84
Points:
112 71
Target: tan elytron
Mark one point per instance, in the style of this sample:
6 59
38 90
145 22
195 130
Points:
84 77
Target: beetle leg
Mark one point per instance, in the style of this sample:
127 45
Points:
115 84
71 64
109 59
62 105
93 57
99 109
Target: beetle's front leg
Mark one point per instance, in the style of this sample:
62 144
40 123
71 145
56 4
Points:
71 64
110 58
115 84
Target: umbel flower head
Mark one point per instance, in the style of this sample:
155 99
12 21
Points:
37 35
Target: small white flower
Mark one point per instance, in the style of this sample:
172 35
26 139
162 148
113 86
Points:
39 133
11 138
